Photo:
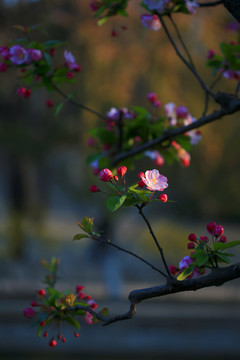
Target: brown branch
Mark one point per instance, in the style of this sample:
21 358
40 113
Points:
216 277
78 104
230 105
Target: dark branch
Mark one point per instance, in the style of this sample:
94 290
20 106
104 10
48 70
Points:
76 103
217 277
233 6
230 105
210 3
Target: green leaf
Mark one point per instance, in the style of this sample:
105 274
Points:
186 272
102 21
227 245
72 322
184 141
39 332
53 44
104 312
131 201
58 108
104 135
87 224
222 258
114 202
201 258
80 236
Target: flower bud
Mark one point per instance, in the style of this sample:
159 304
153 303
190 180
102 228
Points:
222 239
122 171
34 303
210 227
69 75
94 188
191 245
52 343
204 239
173 270
41 292
182 112
115 178
141 174
218 231
105 175
45 334
157 103
42 323
163 198
63 339
76 334
192 237
28 312
152 97
49 103
141 184
79 288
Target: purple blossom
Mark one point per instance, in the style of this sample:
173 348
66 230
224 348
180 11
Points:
157 5
18 55
190 5
35 54
185 262
113 114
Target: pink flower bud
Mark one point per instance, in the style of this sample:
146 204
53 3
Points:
122 171
79 288
115 178
204 239
81 295
211 54
152 97
211 227
34 303
28 312
3 67
35 54
191 245
69 75
173 270
182 112
222 239
41 292
218 231
105 175
94 189
157 103
192 237
141 174
23 92
163 198
49 103
141 184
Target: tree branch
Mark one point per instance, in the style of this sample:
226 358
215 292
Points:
217 277
76 103
230 105
211 3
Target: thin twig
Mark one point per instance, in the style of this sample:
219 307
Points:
214 83
120 131
182 41
189 66
130 253
78 104
154 238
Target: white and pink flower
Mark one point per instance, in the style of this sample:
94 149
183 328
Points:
154 181
70 61
151 22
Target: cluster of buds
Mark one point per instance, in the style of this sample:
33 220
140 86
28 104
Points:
202 255
56 308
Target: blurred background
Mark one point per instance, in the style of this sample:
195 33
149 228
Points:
44 188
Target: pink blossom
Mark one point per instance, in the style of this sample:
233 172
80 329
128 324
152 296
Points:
157 5
182 154
18 55
185 262
195 136
151 22
170 109
88 318
122 171
231 74
154 180
190 5
182 112
70 61
35 54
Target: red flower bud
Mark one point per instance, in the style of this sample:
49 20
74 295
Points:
152 97
173 270
122 170
211 227
34 303
204 239
141 174
115 178
79 288
141 184
42 323
81 295
28 312
192 237
157 103
191 245
163 197
94 189
52 51
218 231
41 292
63 339
105 175
114 33
45 334
87 297
69 75
59 336
49 103
222 239
52 343
76 334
